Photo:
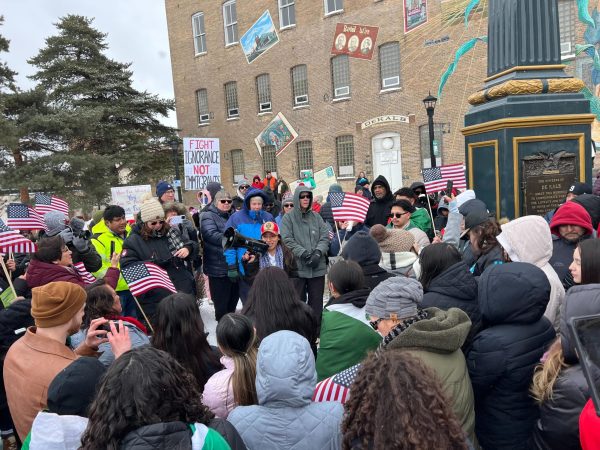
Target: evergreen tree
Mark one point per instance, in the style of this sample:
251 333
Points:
7 76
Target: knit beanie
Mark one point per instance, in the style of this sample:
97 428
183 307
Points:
362 249
162 187
222 195
392 240
56 303
73 389
55 222
395 298
571 213
151 209
287 197
335 187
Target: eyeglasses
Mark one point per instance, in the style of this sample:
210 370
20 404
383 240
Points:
302 197
156 222
397 215
226 201
243 188
374 323
288 205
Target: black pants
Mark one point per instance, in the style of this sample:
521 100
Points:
224 294
312 288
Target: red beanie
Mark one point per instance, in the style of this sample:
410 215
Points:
589 427
571 213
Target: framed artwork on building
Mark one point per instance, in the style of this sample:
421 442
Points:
259 38
279 133
415 14
356 41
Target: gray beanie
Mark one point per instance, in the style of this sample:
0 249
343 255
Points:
395 298
222 195
55 222
335 188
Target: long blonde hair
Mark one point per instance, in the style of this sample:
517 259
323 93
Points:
546 373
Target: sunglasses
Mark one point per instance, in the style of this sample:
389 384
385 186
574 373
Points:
397 215
305 196
156 222
226 201
288 205
243 188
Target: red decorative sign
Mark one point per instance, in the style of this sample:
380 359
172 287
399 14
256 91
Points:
356 41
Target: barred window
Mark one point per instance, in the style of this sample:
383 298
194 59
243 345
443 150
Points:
438 144
344 149
263 92
202 101
269 158
332 6
230 22
237 165
231 99
199 33
300 85
389 64
305 156
287 13
340 72
566 20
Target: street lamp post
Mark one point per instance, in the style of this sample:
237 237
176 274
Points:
429 103
177 182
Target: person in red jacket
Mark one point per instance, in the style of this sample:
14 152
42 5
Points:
589 427
256 183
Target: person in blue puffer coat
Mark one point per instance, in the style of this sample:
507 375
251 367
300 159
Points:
247 221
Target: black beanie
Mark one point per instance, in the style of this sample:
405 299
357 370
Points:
73 389
362 249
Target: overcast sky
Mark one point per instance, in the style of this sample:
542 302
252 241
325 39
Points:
137 33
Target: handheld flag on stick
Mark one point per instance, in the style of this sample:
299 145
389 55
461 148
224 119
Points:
436 178
12 242
143 277
348 207
24 217
46 203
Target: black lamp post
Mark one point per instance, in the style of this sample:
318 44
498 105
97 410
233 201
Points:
175 147
429 103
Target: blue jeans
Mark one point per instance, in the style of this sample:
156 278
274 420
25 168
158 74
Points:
127 304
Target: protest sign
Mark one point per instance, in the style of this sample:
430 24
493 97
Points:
202 162
129 198
323 179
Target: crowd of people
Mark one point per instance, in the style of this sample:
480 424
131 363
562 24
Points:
431 324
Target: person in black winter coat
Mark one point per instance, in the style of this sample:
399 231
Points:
364 250
515 335
559 384
448 283
379 209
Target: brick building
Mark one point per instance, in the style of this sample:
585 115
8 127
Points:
330 100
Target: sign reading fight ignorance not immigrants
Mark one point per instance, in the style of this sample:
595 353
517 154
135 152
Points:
202 162
356 41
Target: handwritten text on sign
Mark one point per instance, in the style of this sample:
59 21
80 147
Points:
202 162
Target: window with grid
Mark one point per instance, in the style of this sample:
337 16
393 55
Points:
269 158
202 101
237 165
199 33
300 85
287 13
230 22
344 149
340 74
231 99
389 65
263 92
332 6
438 144
566 20
305 156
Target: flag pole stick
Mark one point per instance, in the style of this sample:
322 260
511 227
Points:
143 313
431 215
7 274
337 234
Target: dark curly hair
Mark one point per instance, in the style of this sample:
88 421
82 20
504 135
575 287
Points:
99 302
397 403
486 236
144 386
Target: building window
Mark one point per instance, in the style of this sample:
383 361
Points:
263 92
344 149
340 73
300 85
202 100
389 64
305 156
230 22
199 33
438 144
269 159
566 20
287 13
231 100
237 165
333 6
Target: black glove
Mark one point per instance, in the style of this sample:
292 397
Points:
315 259
306 256
233 274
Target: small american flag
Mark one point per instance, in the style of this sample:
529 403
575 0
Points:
348 207
337 387
12 241
46 203
83 273
24 217
143 277
436 178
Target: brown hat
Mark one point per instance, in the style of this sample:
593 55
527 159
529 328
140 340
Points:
392 240
56 303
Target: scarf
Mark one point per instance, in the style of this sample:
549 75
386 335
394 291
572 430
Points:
174 238
265 261
422 314
130 320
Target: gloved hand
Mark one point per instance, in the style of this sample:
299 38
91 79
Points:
233 274
66 235
82 245
306 256
315 259
77 225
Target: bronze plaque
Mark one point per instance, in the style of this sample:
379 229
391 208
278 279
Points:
544 193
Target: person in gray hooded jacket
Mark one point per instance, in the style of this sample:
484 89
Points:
285 417
306 234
